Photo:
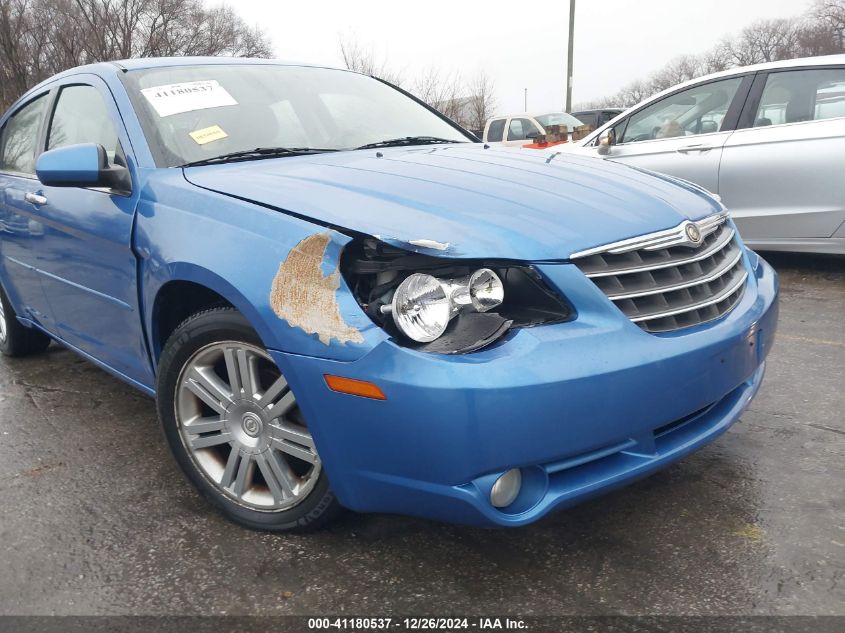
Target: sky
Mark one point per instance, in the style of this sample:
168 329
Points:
518 45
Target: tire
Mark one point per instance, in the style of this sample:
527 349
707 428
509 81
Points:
245 448
15 339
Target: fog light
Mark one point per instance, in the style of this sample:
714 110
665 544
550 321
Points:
506 488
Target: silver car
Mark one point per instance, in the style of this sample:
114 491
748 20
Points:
769 139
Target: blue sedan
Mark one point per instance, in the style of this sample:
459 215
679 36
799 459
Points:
339 299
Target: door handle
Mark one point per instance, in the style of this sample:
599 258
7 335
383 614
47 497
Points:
694 148
35 198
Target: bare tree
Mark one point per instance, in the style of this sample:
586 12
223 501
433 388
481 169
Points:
39 38
830 15
678 70
138 28
819 31
481 102
630 94
764 41
443 92
363 60
713 61
467 103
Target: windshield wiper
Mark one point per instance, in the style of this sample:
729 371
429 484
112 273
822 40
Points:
257 153
408 140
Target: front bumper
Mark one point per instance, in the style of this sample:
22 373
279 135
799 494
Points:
580 407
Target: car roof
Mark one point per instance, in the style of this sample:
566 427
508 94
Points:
532 115
591 110
822 60
143 63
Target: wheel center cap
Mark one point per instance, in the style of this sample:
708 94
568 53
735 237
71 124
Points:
251 424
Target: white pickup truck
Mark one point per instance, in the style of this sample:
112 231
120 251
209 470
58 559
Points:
519 129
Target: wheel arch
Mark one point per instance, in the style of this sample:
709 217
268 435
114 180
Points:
190 289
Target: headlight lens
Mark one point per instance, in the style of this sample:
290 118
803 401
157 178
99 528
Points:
421 309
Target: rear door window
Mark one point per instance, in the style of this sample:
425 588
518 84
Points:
802 95
496 130
20 136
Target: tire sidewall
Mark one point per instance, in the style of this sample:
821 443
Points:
6 346
201 330
20 340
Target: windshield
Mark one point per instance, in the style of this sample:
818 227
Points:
558 118
193 113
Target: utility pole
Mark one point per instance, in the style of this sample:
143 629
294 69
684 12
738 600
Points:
569 56
525 105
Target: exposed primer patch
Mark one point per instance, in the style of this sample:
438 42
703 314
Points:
422 243
439 246
306 298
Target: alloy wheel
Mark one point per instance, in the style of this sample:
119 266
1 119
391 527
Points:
240 423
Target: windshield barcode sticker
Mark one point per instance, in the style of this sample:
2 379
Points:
186 97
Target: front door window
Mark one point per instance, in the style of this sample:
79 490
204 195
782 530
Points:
697 110
81 116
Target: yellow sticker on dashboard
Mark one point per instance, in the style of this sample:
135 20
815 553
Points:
208 134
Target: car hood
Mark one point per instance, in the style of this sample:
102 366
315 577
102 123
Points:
465 200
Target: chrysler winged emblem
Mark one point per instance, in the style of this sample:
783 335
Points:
693 233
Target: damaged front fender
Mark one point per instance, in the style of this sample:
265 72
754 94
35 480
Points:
313 311
304 296
280 272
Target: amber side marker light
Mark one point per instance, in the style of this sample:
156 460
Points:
354 387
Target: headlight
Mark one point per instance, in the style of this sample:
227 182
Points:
423 305
421 308
442 305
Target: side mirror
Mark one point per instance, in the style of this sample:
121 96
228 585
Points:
606 140
82 165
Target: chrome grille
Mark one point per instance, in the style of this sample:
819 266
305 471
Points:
666 281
